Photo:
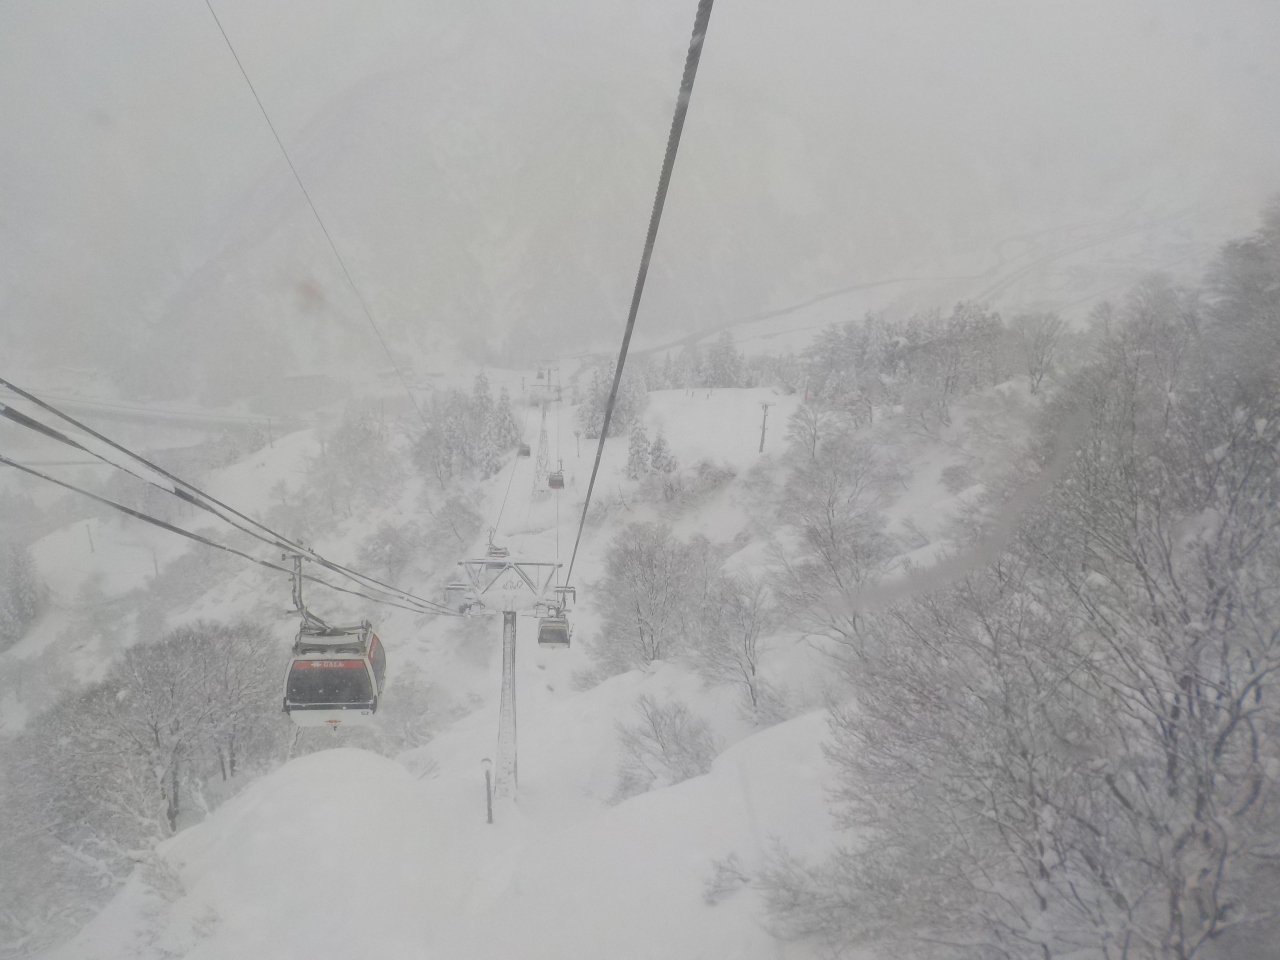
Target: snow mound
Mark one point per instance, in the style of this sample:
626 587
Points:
344 853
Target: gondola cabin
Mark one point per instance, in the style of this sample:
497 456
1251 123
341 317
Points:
555 480
553 632
335 677
523 450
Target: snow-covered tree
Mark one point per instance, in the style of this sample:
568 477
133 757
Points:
740 616
504 431
1070 749
95 782
652 596
924 362
832 503
811 425
466 433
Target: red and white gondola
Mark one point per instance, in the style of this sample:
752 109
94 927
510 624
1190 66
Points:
335 676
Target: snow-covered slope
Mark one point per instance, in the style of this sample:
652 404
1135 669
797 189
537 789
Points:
344 852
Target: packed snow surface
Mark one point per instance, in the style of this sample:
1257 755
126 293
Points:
344 853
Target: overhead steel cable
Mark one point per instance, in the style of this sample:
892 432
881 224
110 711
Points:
171 528
700 22
192 495
316 213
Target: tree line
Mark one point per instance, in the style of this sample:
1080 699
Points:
1071 748
1065 741
916 366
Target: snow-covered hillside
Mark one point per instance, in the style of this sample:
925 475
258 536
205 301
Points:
345 852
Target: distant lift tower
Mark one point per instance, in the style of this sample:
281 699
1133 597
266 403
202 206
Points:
543 465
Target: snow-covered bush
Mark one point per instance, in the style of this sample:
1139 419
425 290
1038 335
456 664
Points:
666 744
680 489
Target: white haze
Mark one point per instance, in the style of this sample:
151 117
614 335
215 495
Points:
487 168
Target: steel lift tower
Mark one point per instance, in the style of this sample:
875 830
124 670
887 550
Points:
497 582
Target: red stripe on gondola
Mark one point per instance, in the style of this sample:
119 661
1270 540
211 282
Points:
328 664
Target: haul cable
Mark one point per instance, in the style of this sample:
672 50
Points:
664 181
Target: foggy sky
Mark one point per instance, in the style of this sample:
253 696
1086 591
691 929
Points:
486 168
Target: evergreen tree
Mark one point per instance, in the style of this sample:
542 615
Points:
661 459
638 454
504 432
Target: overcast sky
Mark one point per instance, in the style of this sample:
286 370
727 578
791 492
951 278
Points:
486 167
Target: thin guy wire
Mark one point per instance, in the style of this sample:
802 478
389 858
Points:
664 182
333 246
